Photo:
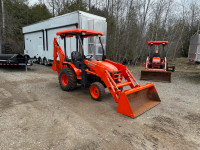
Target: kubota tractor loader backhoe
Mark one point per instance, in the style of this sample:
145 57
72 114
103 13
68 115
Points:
101 73
156 68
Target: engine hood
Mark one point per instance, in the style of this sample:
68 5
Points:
109 67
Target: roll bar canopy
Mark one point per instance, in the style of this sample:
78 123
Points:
83 32
157 43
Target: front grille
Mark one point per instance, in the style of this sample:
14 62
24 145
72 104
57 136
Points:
116 76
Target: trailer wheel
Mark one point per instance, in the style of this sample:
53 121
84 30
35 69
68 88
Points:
38 60
41 62
45 62
97 91
67 79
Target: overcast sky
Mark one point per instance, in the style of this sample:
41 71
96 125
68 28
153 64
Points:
32 2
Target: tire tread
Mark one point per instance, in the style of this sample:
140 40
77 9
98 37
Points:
101 88
72 80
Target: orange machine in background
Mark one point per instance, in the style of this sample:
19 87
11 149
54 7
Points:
99 73
156 67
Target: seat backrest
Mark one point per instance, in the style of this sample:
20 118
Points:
76 56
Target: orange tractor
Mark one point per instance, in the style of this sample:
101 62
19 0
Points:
157 68
100 74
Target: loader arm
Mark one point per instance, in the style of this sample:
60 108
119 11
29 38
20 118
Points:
125 72
105 77
108 80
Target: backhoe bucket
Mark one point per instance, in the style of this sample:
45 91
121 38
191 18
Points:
162 76
138 100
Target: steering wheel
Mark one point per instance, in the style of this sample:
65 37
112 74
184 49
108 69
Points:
89 56
76 56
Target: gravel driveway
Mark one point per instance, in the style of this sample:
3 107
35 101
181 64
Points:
36 114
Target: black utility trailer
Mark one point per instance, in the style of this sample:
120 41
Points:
15 60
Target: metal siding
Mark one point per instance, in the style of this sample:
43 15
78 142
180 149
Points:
63 20
33 49
84 25
198 54
69 43
92 45
194 48
91 16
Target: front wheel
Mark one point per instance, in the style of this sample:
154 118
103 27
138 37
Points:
97 91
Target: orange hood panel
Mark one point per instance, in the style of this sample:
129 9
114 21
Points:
109 67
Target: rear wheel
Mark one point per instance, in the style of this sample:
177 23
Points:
67 79
97 91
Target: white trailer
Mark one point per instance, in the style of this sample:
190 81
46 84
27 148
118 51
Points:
38 37
194 49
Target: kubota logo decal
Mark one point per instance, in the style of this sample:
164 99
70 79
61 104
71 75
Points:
91 64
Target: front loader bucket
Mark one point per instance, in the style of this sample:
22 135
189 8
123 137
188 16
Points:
162 76
138 100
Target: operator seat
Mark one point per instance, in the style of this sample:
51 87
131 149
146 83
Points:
154 55
76 59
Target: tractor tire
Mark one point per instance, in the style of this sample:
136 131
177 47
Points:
67 79
97 91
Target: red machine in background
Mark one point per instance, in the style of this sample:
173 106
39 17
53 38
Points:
156 67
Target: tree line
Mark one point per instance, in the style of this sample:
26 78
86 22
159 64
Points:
131 23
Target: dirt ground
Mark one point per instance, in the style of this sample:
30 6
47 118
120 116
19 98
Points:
36 114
